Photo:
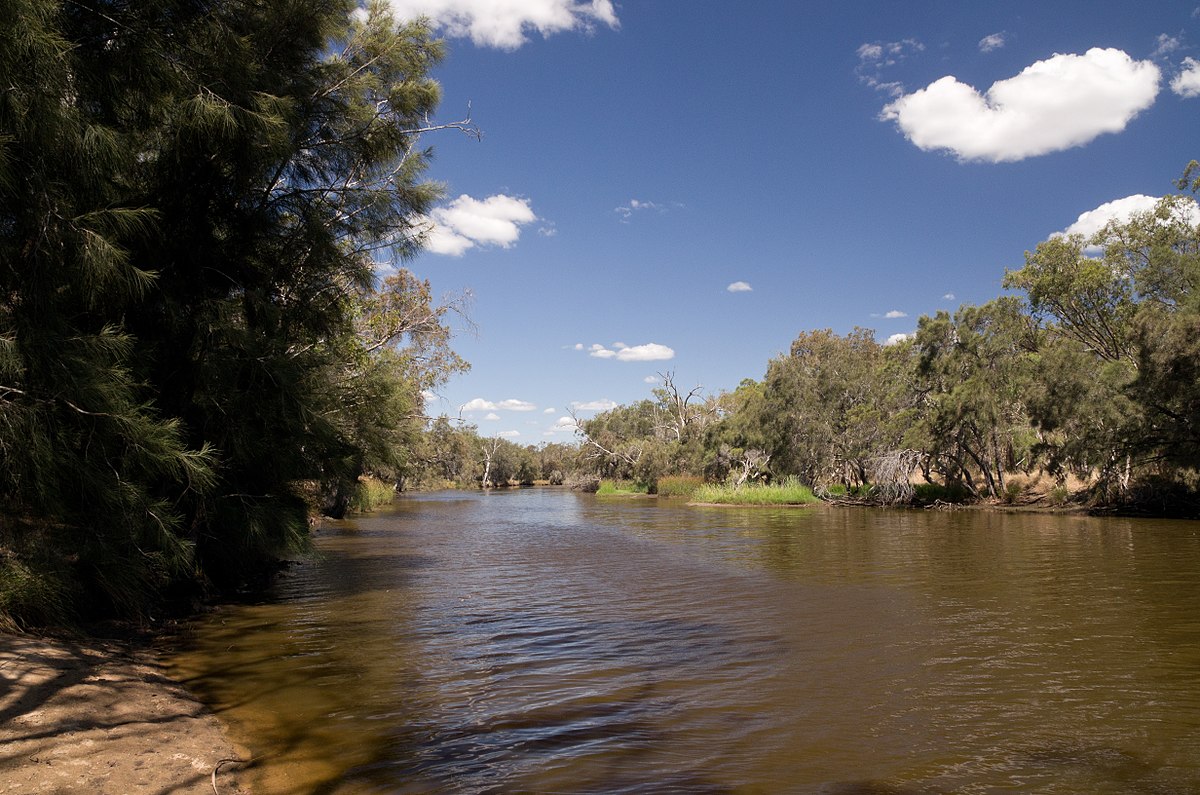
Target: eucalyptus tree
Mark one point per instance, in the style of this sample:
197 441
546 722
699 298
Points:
819 405
974 370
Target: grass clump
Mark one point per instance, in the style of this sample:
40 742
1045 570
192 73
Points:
610 487
679 485
787 492
371 493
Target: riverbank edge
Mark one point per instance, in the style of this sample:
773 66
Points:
89 715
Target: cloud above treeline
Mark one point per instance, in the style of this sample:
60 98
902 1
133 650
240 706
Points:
1052 105
504 25
479 404
604 404
468 222
1120 210
650 352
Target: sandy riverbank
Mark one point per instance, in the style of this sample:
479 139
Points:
103 718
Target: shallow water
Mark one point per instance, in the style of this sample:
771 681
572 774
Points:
546 641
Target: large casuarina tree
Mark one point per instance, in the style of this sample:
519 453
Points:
195 201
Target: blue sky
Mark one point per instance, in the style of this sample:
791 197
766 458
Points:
851 164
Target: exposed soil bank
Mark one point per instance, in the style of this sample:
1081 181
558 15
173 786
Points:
101 717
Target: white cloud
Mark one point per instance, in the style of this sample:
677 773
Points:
603 404
991 42
948 297
1187 83
896 339
579 346
876 57
1055 104
549 411
637 205
650 352
1092 221
468 222
895 313
428 395
1121 210
650 379
491 415
739 287
515 405
564 424
508 434
479 404
1165 45
504 24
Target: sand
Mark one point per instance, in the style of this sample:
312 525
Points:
102 718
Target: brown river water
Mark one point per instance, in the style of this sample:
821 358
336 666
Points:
543 641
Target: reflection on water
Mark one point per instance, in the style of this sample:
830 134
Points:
546 641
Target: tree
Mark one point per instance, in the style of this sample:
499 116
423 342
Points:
814 401
195 201
974 370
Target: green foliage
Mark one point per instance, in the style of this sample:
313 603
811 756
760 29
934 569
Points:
193 199
790 491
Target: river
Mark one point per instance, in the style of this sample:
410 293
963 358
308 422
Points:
545 641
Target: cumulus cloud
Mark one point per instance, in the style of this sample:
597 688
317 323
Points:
504 25
479 404
650 379
739 287
1092 221
991 42
1121 210
948 297
895 313
468 222
874 59
1187 83
515 405
564 424
549 411
604 404
1055 104
650 352
896 339
491 415
508 434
